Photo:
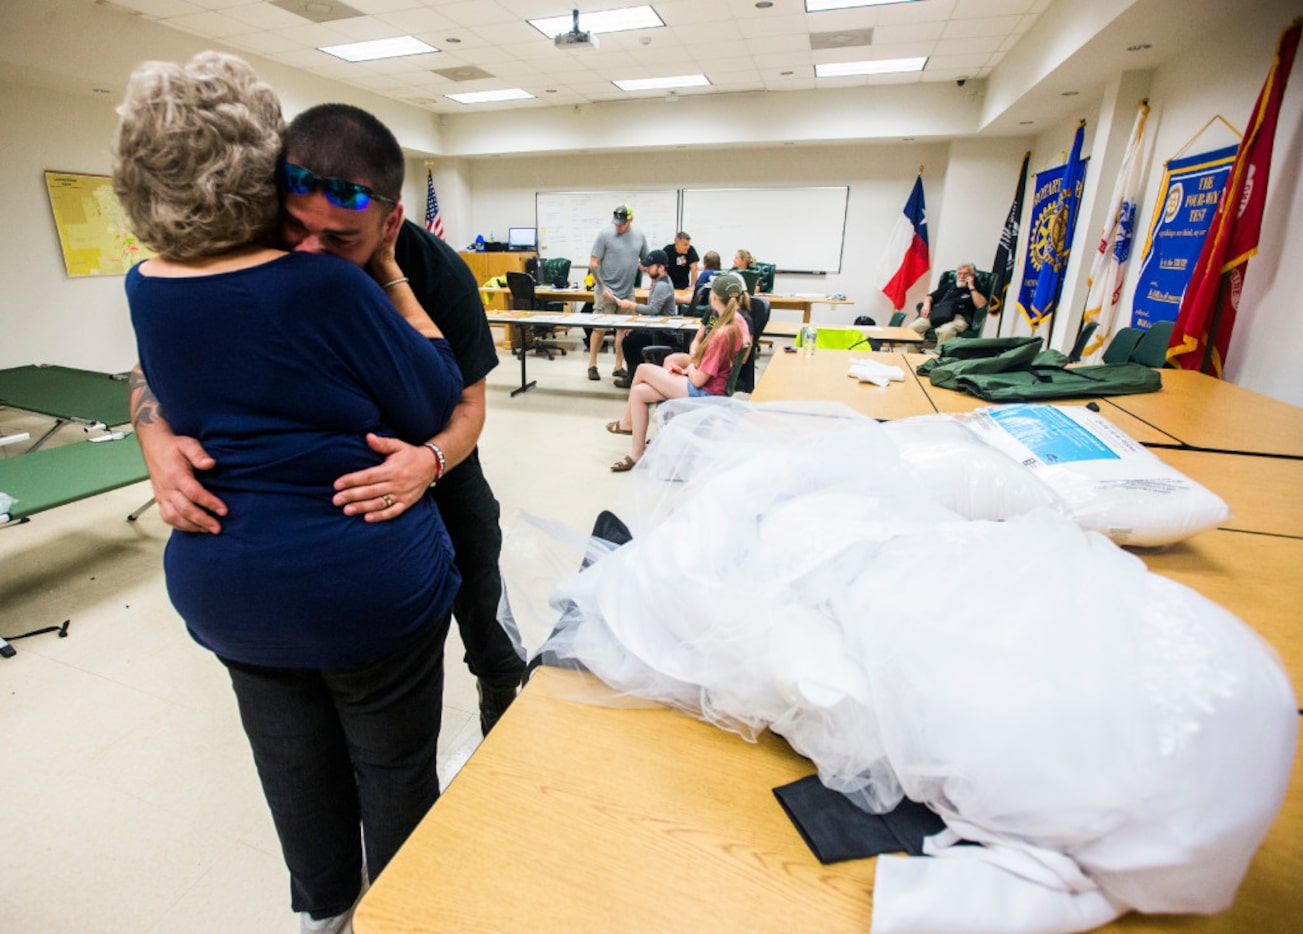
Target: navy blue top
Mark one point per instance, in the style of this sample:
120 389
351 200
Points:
279 370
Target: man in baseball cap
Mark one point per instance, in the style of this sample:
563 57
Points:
617 253
660 301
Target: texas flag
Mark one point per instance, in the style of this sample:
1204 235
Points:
908 245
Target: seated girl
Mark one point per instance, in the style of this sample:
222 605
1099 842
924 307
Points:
702 372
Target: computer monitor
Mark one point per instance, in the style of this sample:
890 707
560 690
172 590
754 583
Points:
522 238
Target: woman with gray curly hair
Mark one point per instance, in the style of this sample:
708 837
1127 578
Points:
332 628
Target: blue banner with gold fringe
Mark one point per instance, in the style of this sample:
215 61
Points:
1188 199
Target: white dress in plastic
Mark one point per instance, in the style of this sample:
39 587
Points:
943 630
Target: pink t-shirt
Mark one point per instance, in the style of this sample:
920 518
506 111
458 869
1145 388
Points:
718 358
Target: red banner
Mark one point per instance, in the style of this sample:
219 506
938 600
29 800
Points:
1209 305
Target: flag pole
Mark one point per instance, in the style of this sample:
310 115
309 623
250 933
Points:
1210 342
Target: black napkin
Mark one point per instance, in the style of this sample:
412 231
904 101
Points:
836 830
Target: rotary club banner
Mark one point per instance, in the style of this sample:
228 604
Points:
1189 193
1050 234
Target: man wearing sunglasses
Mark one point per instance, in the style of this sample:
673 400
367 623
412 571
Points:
340 180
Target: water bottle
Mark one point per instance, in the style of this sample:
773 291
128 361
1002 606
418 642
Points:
809 337
479 243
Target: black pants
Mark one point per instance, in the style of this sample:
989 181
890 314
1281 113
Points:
470 513
636 340
340 747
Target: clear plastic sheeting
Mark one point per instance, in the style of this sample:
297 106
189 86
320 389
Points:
1113 739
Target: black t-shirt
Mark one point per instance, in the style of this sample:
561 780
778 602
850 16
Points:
444 286
955 302
681 266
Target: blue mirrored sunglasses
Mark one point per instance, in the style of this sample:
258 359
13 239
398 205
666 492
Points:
339 192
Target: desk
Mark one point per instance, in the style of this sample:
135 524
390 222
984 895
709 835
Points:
573 817
792 376
802 303
885 334
1212 414
86 397
560 319
1261 491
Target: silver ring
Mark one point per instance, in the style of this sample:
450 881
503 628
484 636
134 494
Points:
389 500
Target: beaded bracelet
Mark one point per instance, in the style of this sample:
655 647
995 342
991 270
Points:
443 463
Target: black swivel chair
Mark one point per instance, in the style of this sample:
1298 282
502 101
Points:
757 321
522 299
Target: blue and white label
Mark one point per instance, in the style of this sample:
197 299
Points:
1050 435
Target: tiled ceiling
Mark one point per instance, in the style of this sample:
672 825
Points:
739 45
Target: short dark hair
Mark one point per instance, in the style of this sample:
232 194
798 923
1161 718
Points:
711 260
681 236
343 141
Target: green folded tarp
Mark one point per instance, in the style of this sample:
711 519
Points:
1015 369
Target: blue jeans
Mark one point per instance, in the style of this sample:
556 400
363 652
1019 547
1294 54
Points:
338 748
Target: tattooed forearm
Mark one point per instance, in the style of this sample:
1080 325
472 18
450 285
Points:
145 407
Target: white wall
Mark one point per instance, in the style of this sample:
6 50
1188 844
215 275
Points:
880 177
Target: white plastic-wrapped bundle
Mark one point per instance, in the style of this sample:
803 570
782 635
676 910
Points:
1107 481
1114 739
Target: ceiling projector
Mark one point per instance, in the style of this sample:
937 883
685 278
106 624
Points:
575 38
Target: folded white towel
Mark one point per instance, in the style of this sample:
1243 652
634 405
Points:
871 371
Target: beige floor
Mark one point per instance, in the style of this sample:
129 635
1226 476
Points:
128 795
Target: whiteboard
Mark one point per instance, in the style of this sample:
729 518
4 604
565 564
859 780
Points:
798 229
569 221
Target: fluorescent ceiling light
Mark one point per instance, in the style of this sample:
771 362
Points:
818 6
634 17
378 48
488 97
884 66
659 84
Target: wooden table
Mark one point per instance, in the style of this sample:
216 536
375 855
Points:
794 376
573 817
1212 414
888 335
565 319
802 303
1261 491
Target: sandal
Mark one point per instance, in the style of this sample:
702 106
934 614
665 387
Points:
615 429
623 464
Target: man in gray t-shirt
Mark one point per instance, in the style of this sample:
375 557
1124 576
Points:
617 253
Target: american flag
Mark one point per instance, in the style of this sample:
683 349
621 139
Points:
433 221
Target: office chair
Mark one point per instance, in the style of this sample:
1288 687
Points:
1083 338
1122 345
522 299
897 319
984 281
767 271
757 321
752 278
1151 349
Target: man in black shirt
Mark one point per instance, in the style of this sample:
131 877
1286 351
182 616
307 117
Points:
951 311
682 266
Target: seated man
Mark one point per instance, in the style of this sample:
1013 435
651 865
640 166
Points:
951 312
660 301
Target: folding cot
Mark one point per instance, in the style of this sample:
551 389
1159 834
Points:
42 480
84 397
